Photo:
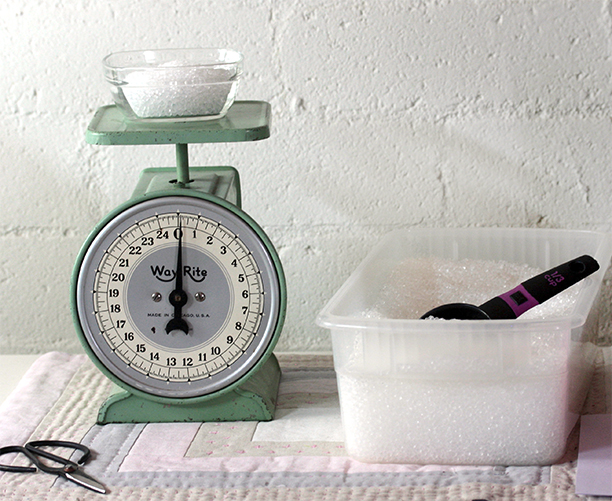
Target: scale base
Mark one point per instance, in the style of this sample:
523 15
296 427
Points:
254 400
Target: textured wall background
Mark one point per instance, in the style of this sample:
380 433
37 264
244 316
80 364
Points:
386 114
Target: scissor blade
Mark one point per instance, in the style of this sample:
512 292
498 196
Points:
84 480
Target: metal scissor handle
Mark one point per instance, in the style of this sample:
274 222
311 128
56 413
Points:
34 448
68 469
33 452
18 469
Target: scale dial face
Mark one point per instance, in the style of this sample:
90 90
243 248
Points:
179 296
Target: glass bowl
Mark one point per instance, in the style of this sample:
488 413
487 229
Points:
174 84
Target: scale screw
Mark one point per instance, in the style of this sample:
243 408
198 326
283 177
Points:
199 296
156 296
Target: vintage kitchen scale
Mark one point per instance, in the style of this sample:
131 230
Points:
178 296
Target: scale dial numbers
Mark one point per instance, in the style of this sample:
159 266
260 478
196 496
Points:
178 296
217 332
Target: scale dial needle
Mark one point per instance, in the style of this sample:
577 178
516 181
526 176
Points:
178 297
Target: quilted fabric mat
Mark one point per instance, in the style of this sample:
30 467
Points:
299 455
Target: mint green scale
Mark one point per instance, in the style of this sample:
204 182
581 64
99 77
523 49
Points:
178 296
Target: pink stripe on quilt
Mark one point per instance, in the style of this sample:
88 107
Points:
153 463
162 447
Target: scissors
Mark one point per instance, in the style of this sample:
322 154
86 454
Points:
69 469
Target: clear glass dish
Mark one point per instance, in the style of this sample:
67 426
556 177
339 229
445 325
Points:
174 84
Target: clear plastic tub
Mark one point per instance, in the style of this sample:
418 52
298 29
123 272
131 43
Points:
463 391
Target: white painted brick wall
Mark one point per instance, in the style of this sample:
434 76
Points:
386 114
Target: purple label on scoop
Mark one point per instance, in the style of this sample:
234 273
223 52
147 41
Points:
519 300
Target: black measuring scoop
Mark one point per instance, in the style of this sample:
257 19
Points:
522 298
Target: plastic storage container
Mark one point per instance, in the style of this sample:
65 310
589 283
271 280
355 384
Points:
463 391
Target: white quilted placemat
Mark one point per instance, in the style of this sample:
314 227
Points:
299 455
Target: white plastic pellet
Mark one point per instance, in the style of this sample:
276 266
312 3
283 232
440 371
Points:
456 395
177 91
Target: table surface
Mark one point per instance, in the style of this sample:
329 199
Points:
12 369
